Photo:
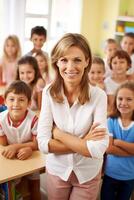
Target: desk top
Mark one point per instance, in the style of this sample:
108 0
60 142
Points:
12 169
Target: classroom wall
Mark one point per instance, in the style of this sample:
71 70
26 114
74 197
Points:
126 7
90 22
99 20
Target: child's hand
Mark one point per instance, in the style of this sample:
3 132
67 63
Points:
95 133
10 151
24 153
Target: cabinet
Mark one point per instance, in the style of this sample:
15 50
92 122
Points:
124 24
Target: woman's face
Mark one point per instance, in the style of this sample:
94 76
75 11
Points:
72 65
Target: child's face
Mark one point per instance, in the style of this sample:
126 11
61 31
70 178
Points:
17 105
110 49
119 65
41 62
96 74
26 73
10 48
38 41
125 101
127 44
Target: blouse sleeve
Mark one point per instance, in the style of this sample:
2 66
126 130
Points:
45 122
98 148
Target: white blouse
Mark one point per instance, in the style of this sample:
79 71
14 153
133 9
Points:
76 120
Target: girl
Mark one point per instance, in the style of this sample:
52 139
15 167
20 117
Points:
96 73
28 72
43 66
120 62
118 180
11 54
127 44
75 154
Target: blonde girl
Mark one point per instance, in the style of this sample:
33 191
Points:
8 63
43 65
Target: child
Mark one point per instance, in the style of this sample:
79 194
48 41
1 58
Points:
110 47
96 73
11 54
18 128
127 44
38 38
120 62
42 61
118 181
28 72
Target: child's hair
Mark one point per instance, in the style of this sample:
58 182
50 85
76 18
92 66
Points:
19 87
127 85
40 53
121 54
16 42
30 60
129 34
98 60
39 30
109 41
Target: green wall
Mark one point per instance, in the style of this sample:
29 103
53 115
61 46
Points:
99 20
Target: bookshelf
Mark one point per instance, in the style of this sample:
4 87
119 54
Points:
124 24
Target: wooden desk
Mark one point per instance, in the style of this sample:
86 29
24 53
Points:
12 169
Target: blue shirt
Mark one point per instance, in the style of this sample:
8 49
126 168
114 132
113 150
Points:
120 167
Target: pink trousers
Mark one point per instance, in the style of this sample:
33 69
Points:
71 189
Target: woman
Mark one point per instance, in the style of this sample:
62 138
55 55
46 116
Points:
70 106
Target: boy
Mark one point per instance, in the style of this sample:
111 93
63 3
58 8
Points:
96 73
38 38
18 129
109 49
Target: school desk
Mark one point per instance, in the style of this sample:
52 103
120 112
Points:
12 169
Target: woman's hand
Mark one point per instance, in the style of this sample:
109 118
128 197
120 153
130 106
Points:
24 153
95 133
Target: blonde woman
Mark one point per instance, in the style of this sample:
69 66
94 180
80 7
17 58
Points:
68 125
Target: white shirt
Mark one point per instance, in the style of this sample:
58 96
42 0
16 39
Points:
76 120
23 132
131 69
111 86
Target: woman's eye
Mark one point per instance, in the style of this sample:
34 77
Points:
63 60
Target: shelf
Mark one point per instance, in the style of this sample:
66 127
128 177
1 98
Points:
119 33
124 24
126 18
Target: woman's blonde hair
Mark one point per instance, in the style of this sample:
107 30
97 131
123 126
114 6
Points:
59 50
16 42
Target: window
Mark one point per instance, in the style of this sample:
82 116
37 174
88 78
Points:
57 16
